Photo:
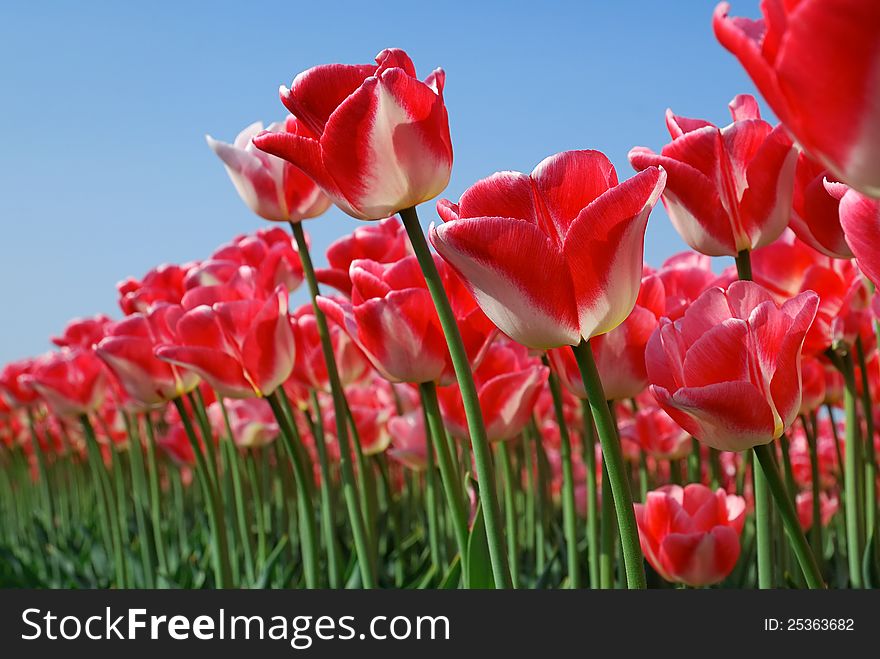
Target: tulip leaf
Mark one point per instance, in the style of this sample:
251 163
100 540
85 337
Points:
479 573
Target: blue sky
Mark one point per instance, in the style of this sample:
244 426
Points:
104 171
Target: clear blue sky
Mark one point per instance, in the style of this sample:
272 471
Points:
104 171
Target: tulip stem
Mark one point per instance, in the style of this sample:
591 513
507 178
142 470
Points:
510 510
448 474
870 466
340 409
816 527
785 506
139 478
569 514
328 526
588 446
852 483
476 427
616 468
155 495
305 509
222 570
763 529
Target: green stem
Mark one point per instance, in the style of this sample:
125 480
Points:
763 530
349 486
455 500
305 509
816 528
870 476
589 455
328 526
222 570
614 463
510 511
853 476
141 501
569 514
476 427
787 512
155 496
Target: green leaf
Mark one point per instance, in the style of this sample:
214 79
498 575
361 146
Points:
453 575
479 566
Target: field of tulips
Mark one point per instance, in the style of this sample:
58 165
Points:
514 400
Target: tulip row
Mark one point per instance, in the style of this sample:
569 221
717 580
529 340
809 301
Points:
463 418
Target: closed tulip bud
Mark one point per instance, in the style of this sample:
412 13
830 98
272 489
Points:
728 189
373 136
804 57
690 534
815 216
409 441
728 371
570 206
272 188
83 332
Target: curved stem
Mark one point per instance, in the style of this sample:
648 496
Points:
614 463
785 506
816 528
349 485
588 449
476 427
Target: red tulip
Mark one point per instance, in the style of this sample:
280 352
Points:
828 505
374 137
815 63
555 256
15 385
242 348
728 371
788 267
860 219
270 251
383 242
393 321
83 332
72 382
654 431
508 384
813 389
691 535
129 352
682 278
251 421
409 442
310 368
815 216
799 454
370 413
161 284
728 189
272 188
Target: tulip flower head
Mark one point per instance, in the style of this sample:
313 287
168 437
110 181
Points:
691 534
373 136
571 216
729 189
728 371
805 57
272 188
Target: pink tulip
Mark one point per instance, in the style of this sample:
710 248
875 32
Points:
728 371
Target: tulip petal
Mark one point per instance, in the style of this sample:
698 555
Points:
534 306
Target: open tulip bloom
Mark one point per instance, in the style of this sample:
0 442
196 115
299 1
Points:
482 414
